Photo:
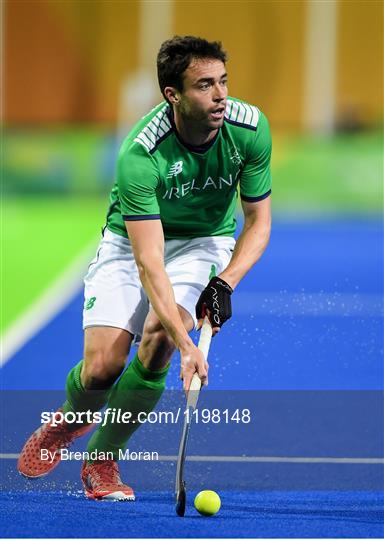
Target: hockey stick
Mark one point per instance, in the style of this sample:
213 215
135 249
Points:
193 396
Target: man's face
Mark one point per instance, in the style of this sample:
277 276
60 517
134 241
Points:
204 93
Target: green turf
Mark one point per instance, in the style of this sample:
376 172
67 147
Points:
339 175
58 160
320 174
41 234
40 237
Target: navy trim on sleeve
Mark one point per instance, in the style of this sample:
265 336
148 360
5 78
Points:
141 217
255 199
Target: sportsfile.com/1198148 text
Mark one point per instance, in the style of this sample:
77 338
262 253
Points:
114 415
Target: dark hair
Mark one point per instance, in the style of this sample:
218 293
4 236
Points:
176 54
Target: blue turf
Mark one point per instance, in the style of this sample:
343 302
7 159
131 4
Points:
264 351
243 515
338 355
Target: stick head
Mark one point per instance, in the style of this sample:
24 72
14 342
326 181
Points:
181 499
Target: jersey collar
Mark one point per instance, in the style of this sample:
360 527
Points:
192 148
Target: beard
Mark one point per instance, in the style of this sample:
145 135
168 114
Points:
200 117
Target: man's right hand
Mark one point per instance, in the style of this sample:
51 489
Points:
193 361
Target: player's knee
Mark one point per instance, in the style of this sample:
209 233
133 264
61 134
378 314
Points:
100 368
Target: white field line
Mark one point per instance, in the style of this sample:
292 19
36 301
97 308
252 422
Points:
49 304
262 459
276 459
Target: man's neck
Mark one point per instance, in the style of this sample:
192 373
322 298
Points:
191 132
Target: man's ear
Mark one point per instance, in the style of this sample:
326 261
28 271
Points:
172 95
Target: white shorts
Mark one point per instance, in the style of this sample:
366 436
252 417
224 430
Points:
114 295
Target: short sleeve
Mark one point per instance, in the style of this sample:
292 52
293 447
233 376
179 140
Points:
137 180
255 180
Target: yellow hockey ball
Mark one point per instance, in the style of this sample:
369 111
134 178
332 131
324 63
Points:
207 502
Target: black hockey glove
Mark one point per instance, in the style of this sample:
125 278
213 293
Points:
216 297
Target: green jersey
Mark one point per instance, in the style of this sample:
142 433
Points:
193 190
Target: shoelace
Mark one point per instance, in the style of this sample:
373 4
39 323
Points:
106 472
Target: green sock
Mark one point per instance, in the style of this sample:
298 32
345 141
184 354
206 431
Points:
78 398
138 390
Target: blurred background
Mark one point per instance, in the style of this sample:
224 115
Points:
77 74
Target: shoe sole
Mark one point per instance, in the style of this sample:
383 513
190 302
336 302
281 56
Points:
41 475
32 477
114 496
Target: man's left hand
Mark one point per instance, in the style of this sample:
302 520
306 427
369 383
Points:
215 302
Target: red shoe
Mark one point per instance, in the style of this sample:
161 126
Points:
51 438
101 480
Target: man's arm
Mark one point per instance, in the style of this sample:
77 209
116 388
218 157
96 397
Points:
147 242
252 241
248 249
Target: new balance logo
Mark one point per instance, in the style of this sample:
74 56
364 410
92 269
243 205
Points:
175 169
